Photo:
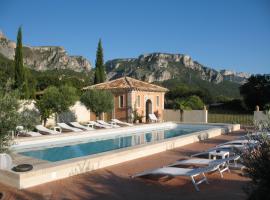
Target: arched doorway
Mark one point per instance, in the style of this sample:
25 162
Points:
148 109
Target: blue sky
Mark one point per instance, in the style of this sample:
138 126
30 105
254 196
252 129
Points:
231 34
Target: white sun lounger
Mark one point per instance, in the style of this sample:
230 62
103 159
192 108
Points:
24 133
45 131
93 123
223 163
237 143
107 124
77 125
30 134
66 127
153 117
121 122
174 171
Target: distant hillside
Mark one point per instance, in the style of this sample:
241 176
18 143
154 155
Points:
171 70
162 66
45 57
40 80
224 88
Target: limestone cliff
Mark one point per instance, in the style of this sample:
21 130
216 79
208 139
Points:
45 57
163 66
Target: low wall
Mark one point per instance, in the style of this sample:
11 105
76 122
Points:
189 116
260 116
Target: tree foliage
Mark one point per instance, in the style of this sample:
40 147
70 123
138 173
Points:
8 117
29 118
20 74
98 101
18 61
56 101
100 75
256 91
190 103
58 77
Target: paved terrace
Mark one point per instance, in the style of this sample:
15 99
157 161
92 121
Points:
115 183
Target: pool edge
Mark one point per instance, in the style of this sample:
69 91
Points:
71 167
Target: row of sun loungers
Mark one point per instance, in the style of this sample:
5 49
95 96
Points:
72 127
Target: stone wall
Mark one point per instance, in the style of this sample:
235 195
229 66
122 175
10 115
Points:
188 116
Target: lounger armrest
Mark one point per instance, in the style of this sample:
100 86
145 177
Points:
91 125
57 129
113 123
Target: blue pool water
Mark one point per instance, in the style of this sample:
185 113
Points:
92 146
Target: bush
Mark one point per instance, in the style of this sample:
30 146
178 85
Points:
257 162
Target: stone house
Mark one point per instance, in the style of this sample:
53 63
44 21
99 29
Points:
131 94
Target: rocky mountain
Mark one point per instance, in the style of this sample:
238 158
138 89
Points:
42 58
163 66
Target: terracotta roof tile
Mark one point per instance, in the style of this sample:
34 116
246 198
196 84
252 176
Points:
127 83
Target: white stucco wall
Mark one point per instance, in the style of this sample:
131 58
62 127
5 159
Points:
81 112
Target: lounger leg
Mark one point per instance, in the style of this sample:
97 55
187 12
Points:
206 180
220 171
194 183
228 168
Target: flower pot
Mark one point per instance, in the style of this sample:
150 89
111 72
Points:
5 161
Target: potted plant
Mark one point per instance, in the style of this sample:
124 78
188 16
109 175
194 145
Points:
139 118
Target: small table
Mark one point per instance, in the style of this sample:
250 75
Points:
221 154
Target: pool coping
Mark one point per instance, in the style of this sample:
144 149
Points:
47 172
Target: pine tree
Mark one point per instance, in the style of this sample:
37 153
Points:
100 75
18 61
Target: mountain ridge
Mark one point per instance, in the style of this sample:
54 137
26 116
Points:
159 68
42 58
151 67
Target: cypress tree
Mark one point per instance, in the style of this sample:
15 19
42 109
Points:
21 81
97 76
18 61
100 75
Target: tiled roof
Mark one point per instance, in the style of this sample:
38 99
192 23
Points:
127 83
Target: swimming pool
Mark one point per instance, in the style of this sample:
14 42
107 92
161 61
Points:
77 153
93 146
